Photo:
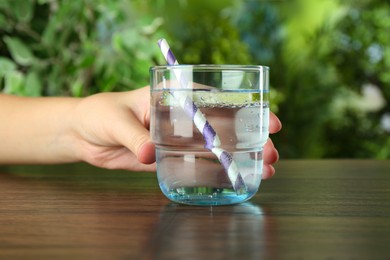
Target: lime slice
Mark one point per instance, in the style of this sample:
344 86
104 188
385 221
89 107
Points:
207 98
215 99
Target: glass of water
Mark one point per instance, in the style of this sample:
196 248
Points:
209 124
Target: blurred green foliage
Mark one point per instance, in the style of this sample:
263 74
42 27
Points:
74 47
330 60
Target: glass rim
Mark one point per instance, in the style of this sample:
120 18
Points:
211 67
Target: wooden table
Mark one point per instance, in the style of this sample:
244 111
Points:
328 209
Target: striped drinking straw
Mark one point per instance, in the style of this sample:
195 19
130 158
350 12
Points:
210 136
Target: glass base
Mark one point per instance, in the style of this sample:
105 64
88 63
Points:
205 196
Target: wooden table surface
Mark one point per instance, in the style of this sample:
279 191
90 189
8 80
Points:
326 209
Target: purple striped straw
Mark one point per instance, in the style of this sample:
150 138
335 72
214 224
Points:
210 136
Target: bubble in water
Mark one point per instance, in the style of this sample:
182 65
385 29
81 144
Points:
181 191
249 127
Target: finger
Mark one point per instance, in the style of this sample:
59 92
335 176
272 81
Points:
274 123
268 171
135 134
147 153
132 133
125 160
270 155
132 164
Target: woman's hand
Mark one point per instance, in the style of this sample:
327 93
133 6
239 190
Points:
112 131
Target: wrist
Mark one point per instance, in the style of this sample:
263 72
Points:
72 136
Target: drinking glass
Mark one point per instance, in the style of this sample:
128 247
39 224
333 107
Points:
209 124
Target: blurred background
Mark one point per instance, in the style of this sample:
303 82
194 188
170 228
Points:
329 59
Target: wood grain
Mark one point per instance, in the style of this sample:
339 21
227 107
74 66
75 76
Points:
328 209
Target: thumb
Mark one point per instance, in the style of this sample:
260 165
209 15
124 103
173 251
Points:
132 133
135 135
146 153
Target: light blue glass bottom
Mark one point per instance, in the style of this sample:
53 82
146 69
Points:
204 196
198 178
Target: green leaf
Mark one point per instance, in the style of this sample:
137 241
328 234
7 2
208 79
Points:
4 24
77 88
44 1
23 10
14 82
117 42
130 38
49 33
19 51
6 66
33 85
4 5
